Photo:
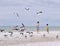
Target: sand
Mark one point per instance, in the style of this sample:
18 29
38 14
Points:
18 39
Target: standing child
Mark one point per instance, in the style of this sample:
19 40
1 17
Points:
37 26
47 28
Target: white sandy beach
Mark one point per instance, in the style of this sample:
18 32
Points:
36 39
56 43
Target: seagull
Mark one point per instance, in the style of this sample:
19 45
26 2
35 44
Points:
5 35
23 25
17 14
11 33
25 36
39 12
21 33
27 9
28 32
1 30
16 28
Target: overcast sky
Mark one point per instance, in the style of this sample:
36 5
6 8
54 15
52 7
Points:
50 15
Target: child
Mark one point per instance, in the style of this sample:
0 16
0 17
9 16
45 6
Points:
37 26
47 28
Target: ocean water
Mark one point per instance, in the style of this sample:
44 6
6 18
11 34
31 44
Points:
52 28
30 28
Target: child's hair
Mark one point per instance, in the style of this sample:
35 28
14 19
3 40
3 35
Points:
37 21
47 24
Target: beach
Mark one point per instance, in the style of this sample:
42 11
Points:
26 39
29 22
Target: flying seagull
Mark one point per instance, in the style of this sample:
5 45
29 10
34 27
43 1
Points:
17 14
27 9
23 25
39 12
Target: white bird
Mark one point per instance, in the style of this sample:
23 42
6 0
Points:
39 12
27 9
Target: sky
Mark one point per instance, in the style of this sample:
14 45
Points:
50 12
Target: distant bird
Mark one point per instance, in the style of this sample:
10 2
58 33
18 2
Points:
39 12
5 35
57 36
11 33
16 28
27 9
28 32
21 33
22 30
25 36
1 30
23 25
31 32
17 14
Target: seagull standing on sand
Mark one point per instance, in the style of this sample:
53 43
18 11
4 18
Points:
5 35
11 33
1 30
